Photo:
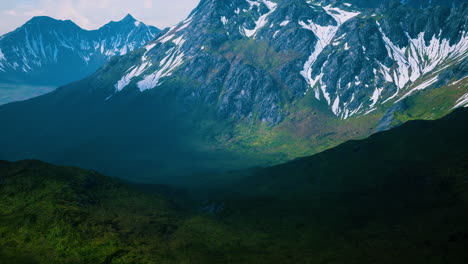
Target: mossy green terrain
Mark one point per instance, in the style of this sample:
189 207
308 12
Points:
402 204
311 128
434 103
66 215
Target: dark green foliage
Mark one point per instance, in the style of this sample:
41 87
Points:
66 215
235 102
405 202
410 156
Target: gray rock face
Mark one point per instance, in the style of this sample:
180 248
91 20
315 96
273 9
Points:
53 52
251 58
386 123
413 3
187 100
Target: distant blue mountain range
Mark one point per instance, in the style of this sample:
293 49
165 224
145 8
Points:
46 51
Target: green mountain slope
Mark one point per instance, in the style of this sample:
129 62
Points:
210 94
414 155
400 196
54 214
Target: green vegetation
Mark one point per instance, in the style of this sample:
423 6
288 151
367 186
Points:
309 129
432 104
397 197
257 53
414 155
64 215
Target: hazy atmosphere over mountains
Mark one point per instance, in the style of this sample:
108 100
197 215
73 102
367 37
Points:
242 82
55 52
218 101
90 15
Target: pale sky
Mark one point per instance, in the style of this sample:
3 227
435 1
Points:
92 14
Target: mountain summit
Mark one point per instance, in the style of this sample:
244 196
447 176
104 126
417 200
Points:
245 83
53 52
129 17
271 54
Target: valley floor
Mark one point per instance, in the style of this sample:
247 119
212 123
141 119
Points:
411 208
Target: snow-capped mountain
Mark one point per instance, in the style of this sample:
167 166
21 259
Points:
247 82
353 58
54 52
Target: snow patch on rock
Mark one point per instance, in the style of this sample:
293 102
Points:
173 59
462 102
262 20
325 35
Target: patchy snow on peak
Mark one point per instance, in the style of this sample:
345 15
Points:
126 79
356 76
404 67
346 47
224 20
150 46
341 16
462 102
36 52
2 56
175 30
262 20
375 97
325 35
418 59
425 84
173 59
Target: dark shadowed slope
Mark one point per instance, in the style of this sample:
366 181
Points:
402 198
411 157
249 83
52 214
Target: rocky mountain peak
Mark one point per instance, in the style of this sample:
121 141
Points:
42 19
47 51
129 17
43 22
284 78
350 58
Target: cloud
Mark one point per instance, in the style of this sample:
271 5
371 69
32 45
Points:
10 12
148 4
67 9
92 14
34 12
